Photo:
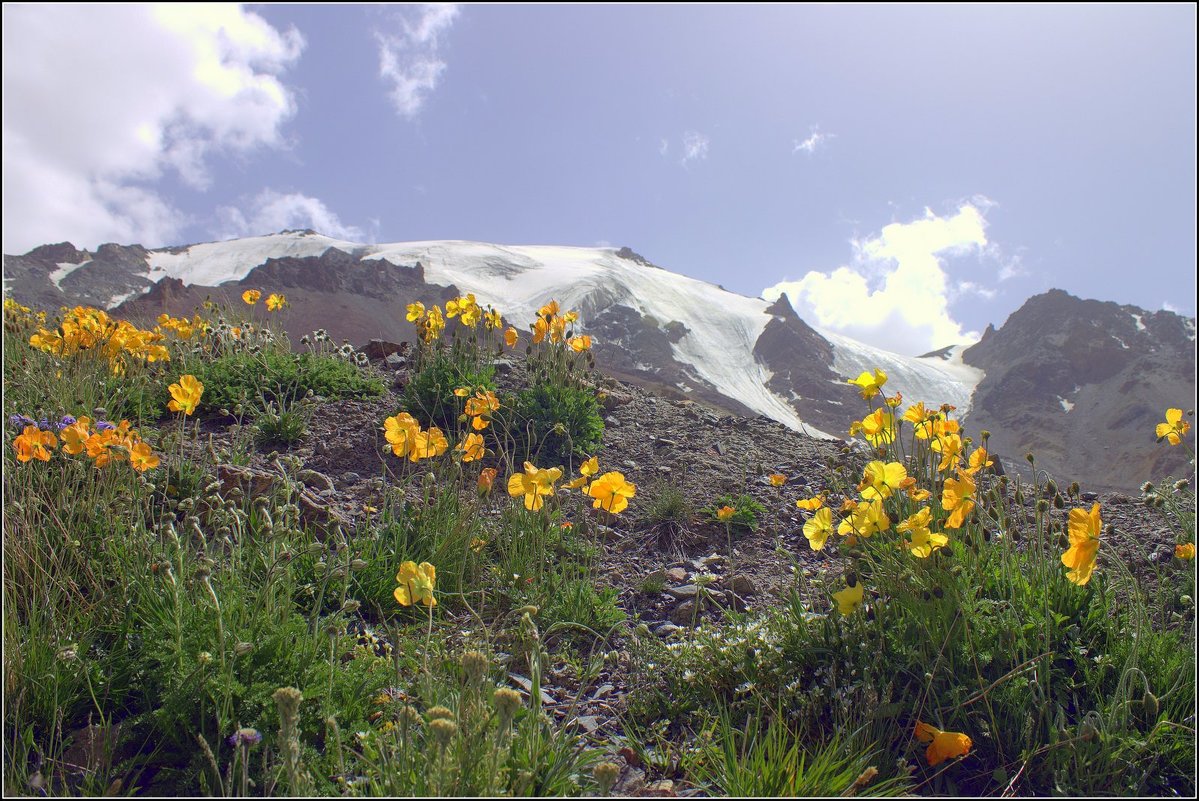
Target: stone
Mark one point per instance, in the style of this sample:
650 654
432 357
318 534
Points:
612 421
666 629
314 480
683 593
684 614
381 348
741 584
502 366
676 575
395 361
603 691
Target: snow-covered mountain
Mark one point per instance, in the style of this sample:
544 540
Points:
689 338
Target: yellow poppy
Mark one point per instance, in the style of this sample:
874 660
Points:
850 598
943 745
611 492
416 584
251 296
818 528
1083 530
1175 428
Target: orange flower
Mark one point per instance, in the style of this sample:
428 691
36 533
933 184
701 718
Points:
943 745
1185 551
251 296
777 479
486 479
33 443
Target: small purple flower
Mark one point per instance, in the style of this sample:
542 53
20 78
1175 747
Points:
44 424
67 420
245 736
20 421
104 425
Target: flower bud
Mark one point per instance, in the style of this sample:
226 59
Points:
243 648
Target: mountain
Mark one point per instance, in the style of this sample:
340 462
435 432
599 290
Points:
687 338
1082 384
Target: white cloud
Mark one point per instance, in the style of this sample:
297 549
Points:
895 295
663 147
101 101
695 147
815 139
408 54
1167 306
273 211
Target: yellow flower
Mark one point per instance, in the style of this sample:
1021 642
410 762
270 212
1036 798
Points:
880 480
428 444
533 483
416 584
33 443
493 319
471 448
482 403
1175 428
511 337
818 528
923 542
777 479
141 458
725 513
611 492
1084 528
462 392
850 598
251 296
548 310
1185 551
416 311
957 496
866 519
811 504
979 459
540 329
588 469
275 302
869 385
943 745
185 395
401 431
580 343
879 428
950 448
921 420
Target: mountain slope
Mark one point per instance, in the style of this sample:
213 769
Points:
688 338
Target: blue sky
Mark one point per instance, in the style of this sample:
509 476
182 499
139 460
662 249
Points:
907 174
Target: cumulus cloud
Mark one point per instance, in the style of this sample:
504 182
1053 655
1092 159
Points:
101 101
815 139
896 292
273 211
695 147
409 59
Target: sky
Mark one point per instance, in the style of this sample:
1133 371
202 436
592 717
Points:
906 174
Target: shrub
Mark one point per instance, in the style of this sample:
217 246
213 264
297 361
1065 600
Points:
745 511
430 394
554 421
277 376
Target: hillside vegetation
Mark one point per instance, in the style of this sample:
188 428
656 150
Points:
232 569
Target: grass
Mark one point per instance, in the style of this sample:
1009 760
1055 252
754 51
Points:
208 640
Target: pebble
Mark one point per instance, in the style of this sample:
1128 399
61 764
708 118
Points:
611 420
666 629
676 575
742 585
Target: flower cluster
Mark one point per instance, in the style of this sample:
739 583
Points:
409 440
19 318
480 407
550 323
102 441
89 330
431 322
183 328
